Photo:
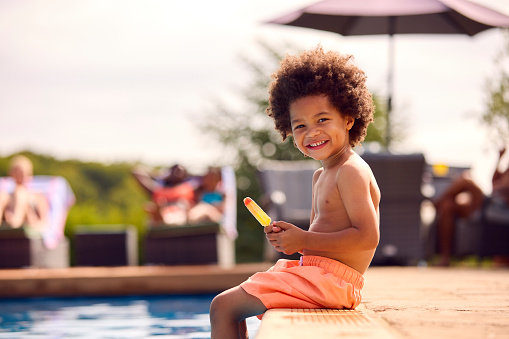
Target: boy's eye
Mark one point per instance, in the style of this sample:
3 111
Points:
298 126
322 119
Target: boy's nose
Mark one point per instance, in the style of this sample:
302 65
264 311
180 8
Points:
313 132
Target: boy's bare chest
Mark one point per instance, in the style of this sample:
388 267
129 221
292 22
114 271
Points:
327 196
329 211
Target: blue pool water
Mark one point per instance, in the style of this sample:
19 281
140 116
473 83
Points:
112 317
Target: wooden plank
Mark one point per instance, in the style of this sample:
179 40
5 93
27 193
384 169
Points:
126 280
320 323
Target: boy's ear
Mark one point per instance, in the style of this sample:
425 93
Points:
349 122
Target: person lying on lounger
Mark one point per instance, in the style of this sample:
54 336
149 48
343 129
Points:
172 194
209 206
22 206
462 199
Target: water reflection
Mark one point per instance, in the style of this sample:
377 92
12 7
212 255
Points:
123 317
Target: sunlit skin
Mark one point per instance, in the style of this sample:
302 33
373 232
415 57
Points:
345 214
23 206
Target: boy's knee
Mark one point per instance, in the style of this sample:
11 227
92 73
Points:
235 305
214 305
218 306
222 310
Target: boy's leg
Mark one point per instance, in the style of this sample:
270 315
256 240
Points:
243 330
229 309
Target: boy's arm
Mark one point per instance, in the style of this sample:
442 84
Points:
354 187
316 175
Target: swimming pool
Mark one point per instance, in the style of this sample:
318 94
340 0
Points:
109 317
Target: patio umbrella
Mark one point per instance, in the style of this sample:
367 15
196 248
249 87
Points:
390 17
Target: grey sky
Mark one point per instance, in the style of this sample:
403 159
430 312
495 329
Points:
112 80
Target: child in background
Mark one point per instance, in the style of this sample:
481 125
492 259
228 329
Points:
22 206
321 100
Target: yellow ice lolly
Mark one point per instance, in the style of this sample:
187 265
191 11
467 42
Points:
257 212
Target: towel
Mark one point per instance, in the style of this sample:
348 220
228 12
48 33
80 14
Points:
60 198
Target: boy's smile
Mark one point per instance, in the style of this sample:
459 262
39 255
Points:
318 128
315 145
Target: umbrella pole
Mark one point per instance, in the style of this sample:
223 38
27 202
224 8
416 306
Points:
390 74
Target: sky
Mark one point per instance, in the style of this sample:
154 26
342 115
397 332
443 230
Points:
128 80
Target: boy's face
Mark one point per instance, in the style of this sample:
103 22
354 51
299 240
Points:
318 128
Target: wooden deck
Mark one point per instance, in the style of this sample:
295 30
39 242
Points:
398 302
128 280
147 280
321 323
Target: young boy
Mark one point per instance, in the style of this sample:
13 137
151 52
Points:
322 101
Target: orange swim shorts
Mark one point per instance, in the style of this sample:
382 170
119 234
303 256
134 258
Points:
312 282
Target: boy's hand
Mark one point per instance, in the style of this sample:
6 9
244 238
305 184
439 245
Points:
272 228
285 237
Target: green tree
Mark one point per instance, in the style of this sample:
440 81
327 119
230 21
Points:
496 116
105 194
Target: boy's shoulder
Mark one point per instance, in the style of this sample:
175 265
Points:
354 166
317 174
354 160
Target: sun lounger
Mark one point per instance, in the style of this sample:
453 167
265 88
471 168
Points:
494 240
484 234
105 245
287 191
25 248
207 243
399 178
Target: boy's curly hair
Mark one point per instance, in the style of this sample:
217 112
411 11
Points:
317 72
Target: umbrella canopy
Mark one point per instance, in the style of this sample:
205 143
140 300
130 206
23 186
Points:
369 17
390 17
